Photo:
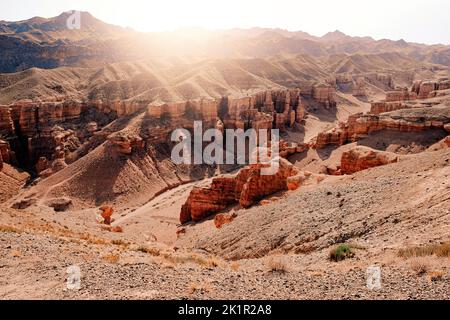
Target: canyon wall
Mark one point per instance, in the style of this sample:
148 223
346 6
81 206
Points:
419 90
360 125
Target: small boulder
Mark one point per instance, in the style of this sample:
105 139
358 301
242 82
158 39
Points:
59 204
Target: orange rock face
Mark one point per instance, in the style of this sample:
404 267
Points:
362 158
246 187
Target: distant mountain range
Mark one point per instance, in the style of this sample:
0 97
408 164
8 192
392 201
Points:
48 43
42 58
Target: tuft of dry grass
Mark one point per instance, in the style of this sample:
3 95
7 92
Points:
9 229
420 265
150 250
120 242
277 265
204 261
439 250
111 258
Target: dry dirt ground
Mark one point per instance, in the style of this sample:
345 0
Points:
276 251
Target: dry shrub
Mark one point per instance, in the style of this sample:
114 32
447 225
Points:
204 261
120 242
276 264
234 266
150 250
202 288
111 258
435 276
9 229
420 266
440 250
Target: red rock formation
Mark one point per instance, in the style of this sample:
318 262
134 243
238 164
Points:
426 88
400 95
381 107
381 80
247 187
6 154
324 94
106 213
359 87
362 158
359 125
221 219
203 201
444 85
6 122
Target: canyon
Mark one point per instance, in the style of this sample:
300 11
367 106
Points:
86 175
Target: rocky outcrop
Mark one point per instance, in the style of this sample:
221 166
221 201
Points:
6 122
246 187
359 87
360 125
443 144
6 155
362 158
429 89
203 201
380 80
124 143
444 85
221 219
400 95
324 94
426 88
350 84
382 106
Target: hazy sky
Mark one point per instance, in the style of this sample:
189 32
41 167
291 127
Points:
412 20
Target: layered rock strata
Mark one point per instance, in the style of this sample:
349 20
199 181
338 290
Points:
246 188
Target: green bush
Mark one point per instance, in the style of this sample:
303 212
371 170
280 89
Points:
341 252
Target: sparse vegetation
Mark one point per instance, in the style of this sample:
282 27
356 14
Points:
111 258
202 288
180 258
9 229
435 275
276 264
420 266
120 242
341 252
440 250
